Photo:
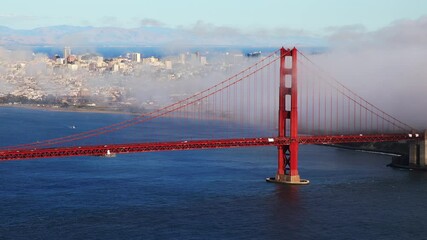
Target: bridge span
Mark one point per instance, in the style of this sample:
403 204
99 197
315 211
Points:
111 149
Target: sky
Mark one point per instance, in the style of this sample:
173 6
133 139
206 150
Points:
313 16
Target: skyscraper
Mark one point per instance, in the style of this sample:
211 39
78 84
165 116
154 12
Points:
67 52
136 57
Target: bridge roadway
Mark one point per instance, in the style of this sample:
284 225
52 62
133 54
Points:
103 150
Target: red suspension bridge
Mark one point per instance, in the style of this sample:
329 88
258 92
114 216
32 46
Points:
282 100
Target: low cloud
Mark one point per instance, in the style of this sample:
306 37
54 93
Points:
404 33
346 34
223 35
150 22
386 66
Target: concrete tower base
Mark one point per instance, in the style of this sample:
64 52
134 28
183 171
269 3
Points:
287 179
417 156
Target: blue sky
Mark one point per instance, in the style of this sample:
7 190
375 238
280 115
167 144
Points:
308 15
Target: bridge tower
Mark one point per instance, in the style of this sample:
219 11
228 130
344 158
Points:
287 169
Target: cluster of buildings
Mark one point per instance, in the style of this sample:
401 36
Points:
89 80
125 63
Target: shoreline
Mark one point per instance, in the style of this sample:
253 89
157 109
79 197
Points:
68 109
407 167
85 109
373 151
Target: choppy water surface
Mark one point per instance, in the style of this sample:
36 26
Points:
210 194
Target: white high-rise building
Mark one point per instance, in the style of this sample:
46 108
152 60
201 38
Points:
182 58
99 61
168 64
136 57
203 60
67 52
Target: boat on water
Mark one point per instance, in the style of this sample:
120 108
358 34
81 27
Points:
109 154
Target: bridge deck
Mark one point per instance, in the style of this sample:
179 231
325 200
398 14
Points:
102 150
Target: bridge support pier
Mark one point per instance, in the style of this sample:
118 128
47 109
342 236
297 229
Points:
287 169
418 153
423 153
414 148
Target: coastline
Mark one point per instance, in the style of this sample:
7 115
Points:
399 160
407 167
373 151
54 108
83 109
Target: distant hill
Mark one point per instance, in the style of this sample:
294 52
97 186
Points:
143 36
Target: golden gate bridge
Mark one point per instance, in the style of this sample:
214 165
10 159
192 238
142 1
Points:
283 100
